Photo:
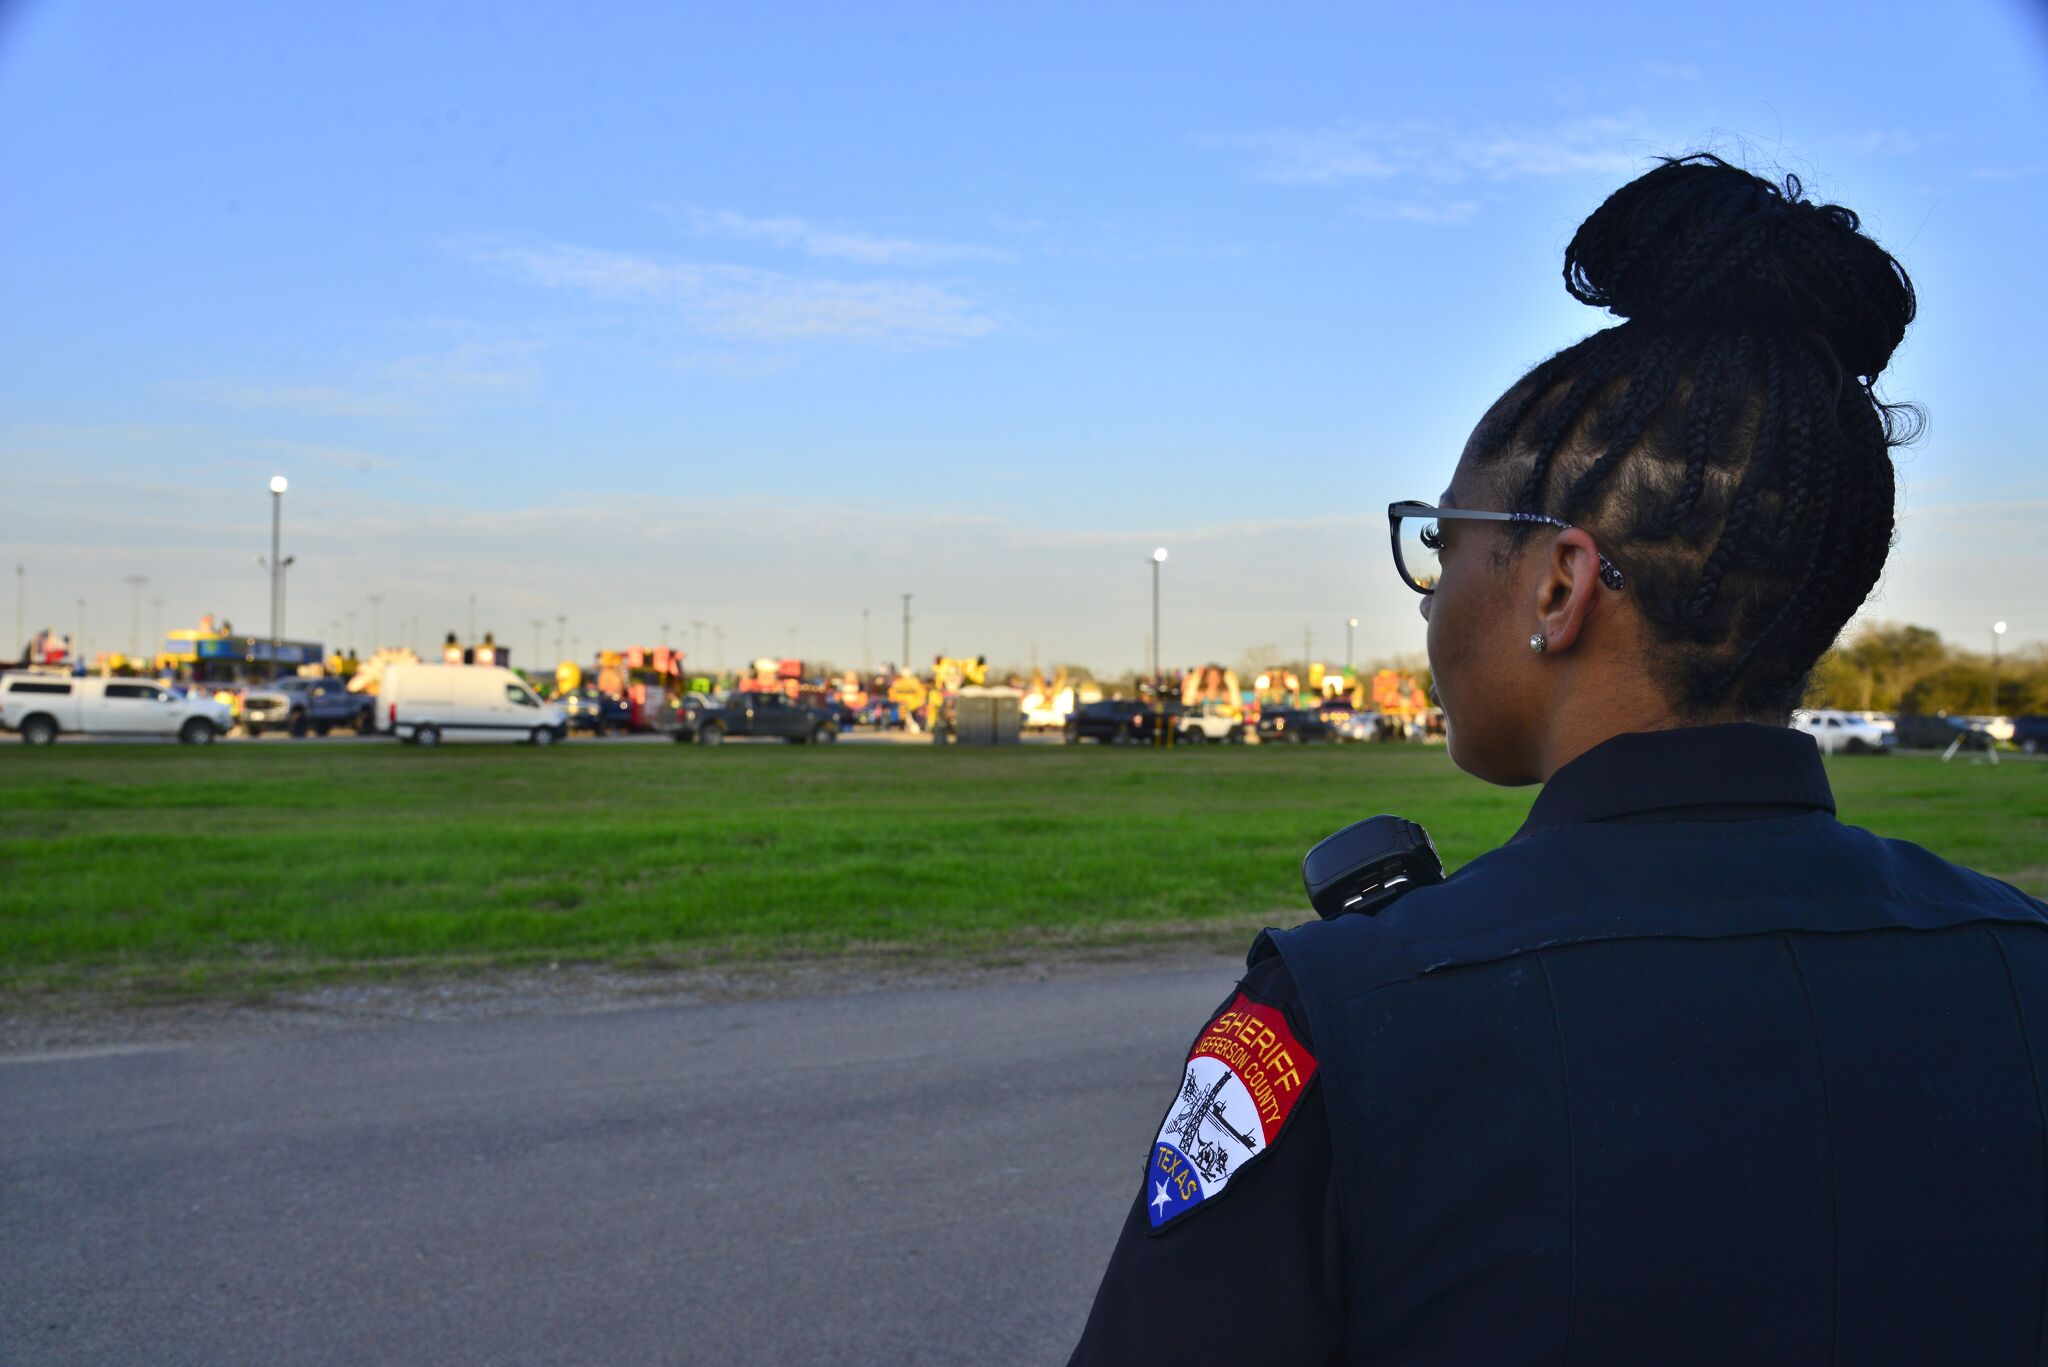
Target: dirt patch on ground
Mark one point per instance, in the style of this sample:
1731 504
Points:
96 1021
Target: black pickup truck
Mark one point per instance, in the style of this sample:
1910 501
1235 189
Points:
1118 721
764 714
300 705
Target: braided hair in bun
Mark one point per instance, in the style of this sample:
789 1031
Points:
1724 443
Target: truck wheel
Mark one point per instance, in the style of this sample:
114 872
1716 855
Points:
826 734
712 734
1122 736
544 735
366 722
1193 735
298 726
321 728
428 736
197 731
39 731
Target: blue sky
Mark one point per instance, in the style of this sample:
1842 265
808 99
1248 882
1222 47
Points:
763 315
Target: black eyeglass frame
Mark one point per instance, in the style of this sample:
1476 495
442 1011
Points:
1609 574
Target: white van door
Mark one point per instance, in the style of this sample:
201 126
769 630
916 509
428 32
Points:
519 707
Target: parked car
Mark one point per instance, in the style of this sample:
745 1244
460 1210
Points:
1844 732
588 709
425 704
2030 733
1115 721
764 714
881 714
307 706
1922 731
40 707
1209 721
1284 725
677 718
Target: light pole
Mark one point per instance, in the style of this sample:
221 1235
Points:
697 642
865 652
561 625
351 614
539 623
1158 559
78 650
1997 632
1350 625
376 622
903 665
135 582
156 627
278 484
718 638
21 608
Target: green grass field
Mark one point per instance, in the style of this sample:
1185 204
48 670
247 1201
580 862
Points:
243 867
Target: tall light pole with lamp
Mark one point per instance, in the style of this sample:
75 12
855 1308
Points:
1350 625
278 484
1997 634
1158 559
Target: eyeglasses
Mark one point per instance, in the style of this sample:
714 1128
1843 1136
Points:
1418 545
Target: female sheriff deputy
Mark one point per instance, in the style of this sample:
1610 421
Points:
1687 1071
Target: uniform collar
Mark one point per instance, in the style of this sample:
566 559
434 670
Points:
1729 764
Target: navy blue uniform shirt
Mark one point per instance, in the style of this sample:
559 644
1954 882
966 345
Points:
1686 1071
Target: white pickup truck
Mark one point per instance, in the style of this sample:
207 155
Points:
42 706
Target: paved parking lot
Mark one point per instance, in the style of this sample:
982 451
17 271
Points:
904 1176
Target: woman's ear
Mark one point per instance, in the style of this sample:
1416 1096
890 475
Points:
1566 587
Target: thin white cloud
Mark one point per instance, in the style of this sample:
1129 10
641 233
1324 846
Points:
1434 213
1434 152
407 387
799 235
755 304
1891 142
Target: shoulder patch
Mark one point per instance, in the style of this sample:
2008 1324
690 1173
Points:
1244 1077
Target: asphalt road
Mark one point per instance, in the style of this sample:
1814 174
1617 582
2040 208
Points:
924 1175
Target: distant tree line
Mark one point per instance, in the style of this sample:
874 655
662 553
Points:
1887 667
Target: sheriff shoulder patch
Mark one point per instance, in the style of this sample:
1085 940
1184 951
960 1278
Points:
1244 1076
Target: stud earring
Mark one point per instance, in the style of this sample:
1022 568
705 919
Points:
1538 644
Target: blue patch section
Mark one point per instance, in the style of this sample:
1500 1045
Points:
1171 1184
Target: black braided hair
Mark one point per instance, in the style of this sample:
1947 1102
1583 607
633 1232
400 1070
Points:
1725 444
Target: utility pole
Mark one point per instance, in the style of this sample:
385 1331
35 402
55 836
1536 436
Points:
561 625
376 622
903 665
135 582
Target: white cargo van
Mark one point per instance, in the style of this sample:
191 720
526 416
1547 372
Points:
427 704
43 706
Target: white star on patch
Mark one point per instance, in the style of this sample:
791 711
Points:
1162 1199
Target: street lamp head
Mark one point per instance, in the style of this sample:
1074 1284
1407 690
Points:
1351 622
1159 555
278 484
1998 627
